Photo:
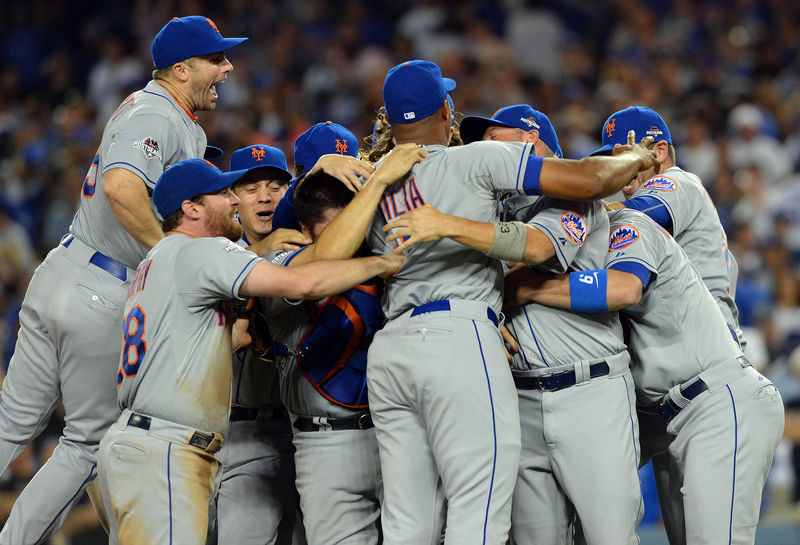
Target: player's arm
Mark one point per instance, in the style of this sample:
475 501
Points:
345 234
127 195
586 291
427 224
651 206
316 280
591 178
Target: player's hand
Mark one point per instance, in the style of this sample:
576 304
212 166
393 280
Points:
424 224
398 163
612 206
240 336
510 343
389 264
519 284
280 239
344 168
643 150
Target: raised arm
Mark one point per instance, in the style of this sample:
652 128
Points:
127 195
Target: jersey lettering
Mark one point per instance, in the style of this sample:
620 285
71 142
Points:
412 198
140 277
89 187
134 347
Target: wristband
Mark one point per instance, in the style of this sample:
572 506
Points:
587 291
509 241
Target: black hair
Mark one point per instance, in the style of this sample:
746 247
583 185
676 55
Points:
317 193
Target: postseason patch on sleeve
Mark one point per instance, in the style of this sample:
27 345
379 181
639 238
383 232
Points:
622 237
149 147
660 183
574 226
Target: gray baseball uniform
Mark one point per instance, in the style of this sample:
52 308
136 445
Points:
725 419
697 229
580 441
256 503
174 389
441 394
338 471
68 344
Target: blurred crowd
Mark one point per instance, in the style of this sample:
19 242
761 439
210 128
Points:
725 74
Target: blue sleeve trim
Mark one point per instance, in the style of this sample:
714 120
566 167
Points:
588 291
637 269
530 183
286 263
236 282
137 169
653 207
521 161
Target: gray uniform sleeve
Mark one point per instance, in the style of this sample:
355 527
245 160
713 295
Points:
141 144
567 229
221 267
626 244
504 166
682 201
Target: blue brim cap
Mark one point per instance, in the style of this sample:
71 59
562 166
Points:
414 90
188 179
517 116
322 139
261 156
185 37
643 121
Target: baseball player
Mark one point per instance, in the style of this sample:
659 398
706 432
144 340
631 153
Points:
256 502
677 200
576 398
157 469
69 341
321 349
699 398
441 395
321 139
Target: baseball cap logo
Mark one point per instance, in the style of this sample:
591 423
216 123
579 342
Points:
611 126
409 115
530 122
341 146
210 22
258 153
654 131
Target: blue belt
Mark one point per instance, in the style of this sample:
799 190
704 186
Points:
669 408
106 263
444 304
558 381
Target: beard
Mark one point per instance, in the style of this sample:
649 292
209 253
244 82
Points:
223 225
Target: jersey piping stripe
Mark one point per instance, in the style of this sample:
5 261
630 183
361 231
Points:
633 441
291 257
494 432
530 327
170 103
169 492
554 241
235 282
143 175
80 489
521 162
735 450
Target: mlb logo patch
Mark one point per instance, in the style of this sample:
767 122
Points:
660 183
622 237
409 115
574 226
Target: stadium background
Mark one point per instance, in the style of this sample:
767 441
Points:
724 74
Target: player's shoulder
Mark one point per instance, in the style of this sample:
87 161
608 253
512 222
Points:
672 180
282 257
628 225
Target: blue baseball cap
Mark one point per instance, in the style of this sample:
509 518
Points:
321 139
644 121
187 179
518 116
185 37
261 156
414 90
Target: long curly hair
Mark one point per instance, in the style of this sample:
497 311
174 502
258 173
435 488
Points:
381 141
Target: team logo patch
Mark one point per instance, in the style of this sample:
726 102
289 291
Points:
409 115
660 183
341 146
574 226
258 153
622 237
611 126
149 147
